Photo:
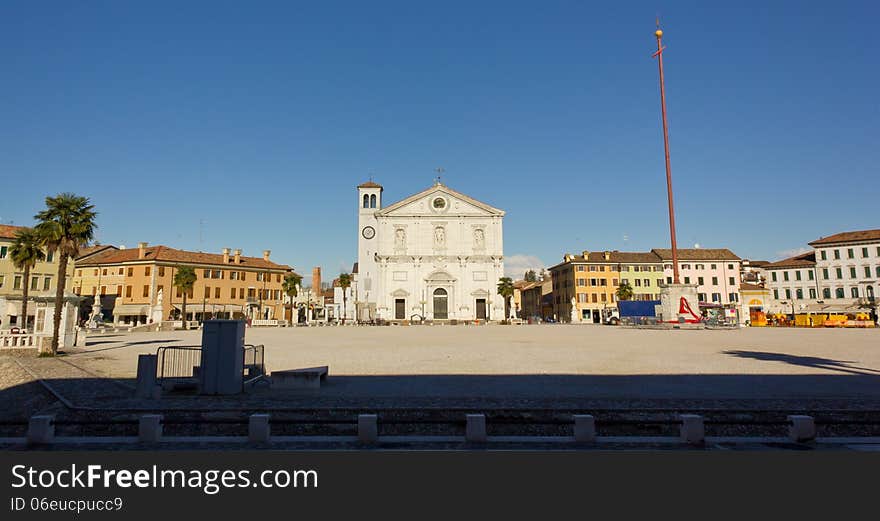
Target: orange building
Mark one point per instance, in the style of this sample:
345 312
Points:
135 286
590 280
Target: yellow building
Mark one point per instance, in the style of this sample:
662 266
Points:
589 281
135 286
43 281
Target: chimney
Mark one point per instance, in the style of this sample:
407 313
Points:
225 255
266 254
237 259
316 278
142 250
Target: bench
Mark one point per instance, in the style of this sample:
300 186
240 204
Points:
309 378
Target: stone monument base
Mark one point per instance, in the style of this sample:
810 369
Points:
679 304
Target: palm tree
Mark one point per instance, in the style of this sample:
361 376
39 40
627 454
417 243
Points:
291 289
505 289
624 291
66 225
184 280
344 283
25 252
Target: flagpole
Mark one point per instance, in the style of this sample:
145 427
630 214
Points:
659 56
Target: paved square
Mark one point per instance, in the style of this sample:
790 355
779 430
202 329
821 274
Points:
572 361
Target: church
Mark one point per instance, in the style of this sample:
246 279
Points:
436 255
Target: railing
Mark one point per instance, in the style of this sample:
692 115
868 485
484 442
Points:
265 322
181 364
254 366
178 363
20 340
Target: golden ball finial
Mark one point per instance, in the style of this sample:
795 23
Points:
658 33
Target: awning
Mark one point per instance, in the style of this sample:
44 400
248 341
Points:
123 310
831 308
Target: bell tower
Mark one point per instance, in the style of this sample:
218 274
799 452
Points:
369 202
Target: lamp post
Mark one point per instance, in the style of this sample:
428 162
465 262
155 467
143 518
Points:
659 56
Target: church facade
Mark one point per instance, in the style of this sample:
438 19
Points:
437 254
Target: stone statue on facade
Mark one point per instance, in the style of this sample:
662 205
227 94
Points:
400 239
439 237
479 239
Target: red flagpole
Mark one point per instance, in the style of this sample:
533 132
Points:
659 56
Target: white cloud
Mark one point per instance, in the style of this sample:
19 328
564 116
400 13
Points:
515 266
784 254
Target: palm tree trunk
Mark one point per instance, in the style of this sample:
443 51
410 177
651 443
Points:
59 300
184 310
24 297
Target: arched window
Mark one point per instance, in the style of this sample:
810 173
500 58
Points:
373 201
366 201
839 293
826 292
855 292
869 292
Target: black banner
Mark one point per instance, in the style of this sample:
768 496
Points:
459 485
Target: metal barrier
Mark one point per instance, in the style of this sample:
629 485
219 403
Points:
254 366
178 365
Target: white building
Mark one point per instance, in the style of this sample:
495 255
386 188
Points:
848 265
840 275
792 283
437 254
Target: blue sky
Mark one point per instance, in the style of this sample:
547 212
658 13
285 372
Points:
258 119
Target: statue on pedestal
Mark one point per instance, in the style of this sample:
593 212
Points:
574 311
158 314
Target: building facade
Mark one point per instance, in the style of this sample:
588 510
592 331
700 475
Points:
437 254
848 265
715 271
585 285
135 286
792 283
42 285
840 275
537 299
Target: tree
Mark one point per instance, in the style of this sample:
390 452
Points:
66 225
505 289
25 252
184 280
344 283
531 276
624 291
290 286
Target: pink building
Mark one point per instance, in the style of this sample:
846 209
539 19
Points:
715 271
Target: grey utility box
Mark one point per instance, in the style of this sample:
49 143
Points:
222 357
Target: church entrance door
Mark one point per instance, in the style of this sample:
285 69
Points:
441 299
481 309
399 309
